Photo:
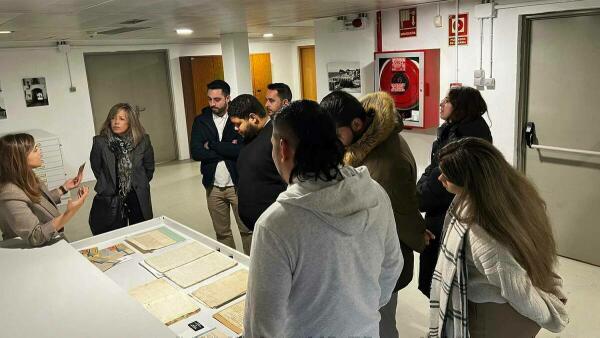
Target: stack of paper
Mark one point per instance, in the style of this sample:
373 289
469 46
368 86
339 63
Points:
223 290
232 317
200 269
164 301
178 257
107 258
154 239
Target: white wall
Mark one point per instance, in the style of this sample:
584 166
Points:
333 45
501 101
69 115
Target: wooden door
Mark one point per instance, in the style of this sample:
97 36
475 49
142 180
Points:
196 73
308 73
260 65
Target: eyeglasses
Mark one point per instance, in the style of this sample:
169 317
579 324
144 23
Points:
37 147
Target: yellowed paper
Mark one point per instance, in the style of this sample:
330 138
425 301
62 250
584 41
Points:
200 269
164 301
151 240
232 317
178 257
223 290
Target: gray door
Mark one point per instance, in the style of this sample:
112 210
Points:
142 80
561 96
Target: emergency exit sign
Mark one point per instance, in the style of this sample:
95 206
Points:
462 26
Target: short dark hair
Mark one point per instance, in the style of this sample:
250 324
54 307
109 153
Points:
283 91
343 108
244 105
467 104
318 151
220 84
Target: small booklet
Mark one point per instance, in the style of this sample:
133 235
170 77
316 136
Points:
200 269
177 257
223 290
232 317
154 240
164 301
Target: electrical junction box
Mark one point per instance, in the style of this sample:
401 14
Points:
485 11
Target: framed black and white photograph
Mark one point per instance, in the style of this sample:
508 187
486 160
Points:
344 76
2 105
35 91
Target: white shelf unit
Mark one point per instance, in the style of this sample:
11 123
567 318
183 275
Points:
52 171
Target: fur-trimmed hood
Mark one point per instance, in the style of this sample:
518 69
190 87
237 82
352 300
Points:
384 121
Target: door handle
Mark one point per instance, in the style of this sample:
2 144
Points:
530 136
139 109
532 142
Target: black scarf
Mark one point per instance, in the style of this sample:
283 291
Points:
122 147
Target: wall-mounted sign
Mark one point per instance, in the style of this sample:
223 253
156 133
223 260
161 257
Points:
408 22
462 26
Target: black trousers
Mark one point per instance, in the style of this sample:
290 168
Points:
429 256
132 212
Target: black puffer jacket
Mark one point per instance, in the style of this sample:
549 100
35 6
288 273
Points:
434 199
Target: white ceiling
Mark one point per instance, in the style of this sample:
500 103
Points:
39 22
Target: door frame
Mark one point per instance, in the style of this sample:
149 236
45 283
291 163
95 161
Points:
165 52
523 56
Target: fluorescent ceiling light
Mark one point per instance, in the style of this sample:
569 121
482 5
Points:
6 32
268 35
184 31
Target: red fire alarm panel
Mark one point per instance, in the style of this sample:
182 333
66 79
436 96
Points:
413 80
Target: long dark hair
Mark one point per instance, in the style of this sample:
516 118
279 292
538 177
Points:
136 129
318 151
467 104
504 203
14 149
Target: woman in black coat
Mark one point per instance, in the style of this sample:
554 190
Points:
122 160
462 109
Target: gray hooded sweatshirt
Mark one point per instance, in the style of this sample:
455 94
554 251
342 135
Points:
325 258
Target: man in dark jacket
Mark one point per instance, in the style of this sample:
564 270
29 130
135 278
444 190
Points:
259 182
370 131
216 144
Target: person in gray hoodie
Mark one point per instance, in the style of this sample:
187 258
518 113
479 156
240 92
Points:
325 255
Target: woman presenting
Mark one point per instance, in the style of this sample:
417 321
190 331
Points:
27 209
122 160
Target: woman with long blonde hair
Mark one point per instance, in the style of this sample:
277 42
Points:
27 209
122 159
495 275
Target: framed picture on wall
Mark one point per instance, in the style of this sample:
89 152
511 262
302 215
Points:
344 76
2 105
35 91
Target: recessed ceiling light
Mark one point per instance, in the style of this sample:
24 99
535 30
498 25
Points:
6 32
268 35
184 31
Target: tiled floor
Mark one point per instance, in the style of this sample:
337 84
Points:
177 192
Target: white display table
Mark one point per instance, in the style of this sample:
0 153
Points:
130 273
54 291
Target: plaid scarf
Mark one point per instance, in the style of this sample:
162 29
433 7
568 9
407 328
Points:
448 304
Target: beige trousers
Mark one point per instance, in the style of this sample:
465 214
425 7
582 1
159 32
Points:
219 201
492 320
